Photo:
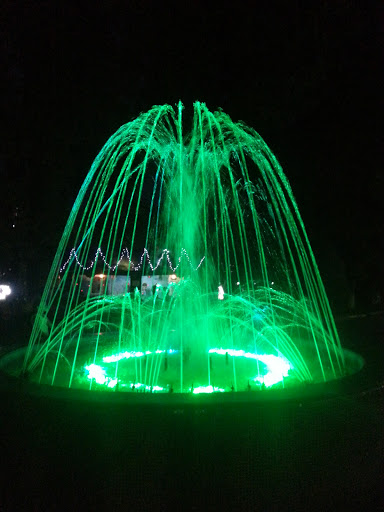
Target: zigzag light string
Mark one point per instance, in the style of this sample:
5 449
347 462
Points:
125 253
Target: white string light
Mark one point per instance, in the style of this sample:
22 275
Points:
125 254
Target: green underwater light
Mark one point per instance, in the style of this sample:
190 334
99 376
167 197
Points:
276 369
206 389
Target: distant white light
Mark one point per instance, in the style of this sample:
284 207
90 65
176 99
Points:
4 291
221 293
238 283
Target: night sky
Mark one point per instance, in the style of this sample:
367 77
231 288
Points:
306 75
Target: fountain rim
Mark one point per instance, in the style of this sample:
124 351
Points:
359 382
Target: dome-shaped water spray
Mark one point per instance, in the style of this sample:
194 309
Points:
184 267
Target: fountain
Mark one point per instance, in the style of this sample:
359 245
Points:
184 267
184 340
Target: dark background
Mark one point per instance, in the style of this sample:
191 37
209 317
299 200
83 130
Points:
306 75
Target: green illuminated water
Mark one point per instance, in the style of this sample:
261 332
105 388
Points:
166 220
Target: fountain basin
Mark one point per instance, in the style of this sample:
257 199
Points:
11 362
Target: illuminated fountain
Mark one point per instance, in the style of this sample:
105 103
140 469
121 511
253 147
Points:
184 267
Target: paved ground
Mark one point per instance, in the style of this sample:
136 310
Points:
303 455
